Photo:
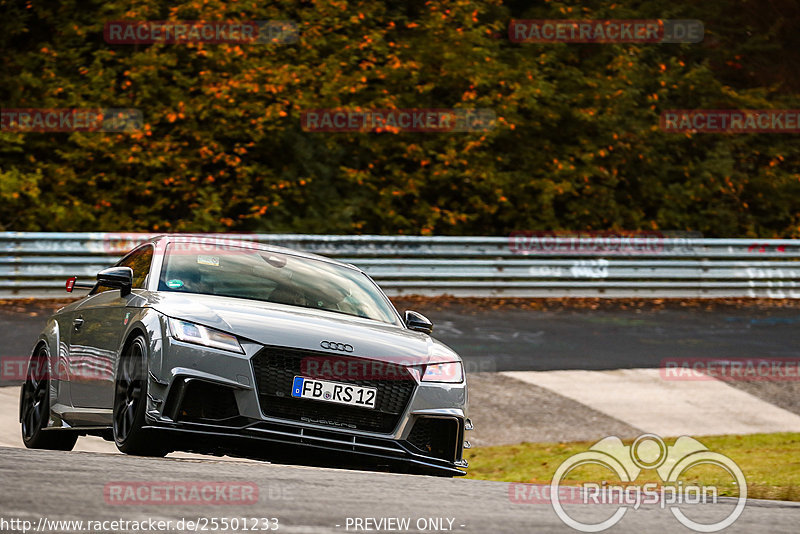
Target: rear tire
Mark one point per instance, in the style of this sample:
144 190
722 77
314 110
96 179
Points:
34 408
130 403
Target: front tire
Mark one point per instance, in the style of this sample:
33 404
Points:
130 403
34 408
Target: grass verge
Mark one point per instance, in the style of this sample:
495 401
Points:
770 462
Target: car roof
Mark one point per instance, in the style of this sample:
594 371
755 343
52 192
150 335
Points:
242 243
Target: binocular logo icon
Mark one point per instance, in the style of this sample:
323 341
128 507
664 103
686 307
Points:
648 451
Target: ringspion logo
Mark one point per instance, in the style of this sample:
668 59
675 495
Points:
626 463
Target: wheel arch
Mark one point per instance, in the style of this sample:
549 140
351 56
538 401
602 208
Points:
147 323
135 331
141 442
50 338
41 342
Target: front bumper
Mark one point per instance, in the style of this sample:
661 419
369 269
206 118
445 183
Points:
209 400
269 440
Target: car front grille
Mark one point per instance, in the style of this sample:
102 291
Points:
276 367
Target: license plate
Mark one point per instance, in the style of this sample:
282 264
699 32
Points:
323 390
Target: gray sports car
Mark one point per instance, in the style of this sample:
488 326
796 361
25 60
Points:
228 347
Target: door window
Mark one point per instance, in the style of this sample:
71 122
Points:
139 261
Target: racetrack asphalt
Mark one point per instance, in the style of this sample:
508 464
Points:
63 486
509 339
509 354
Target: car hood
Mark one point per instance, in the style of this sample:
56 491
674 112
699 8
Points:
291 326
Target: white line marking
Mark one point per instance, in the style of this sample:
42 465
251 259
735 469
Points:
642 399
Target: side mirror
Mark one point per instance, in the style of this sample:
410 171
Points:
117 277
417 321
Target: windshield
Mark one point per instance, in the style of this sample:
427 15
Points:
231 271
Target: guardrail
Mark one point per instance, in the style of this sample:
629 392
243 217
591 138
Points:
37 264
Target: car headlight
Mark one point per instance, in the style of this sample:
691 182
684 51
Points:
451 373
202 335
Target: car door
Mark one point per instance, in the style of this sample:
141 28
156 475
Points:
97 329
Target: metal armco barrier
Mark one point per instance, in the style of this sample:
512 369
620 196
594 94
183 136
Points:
37 264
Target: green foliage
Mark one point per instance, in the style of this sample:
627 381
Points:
577 143
769 462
